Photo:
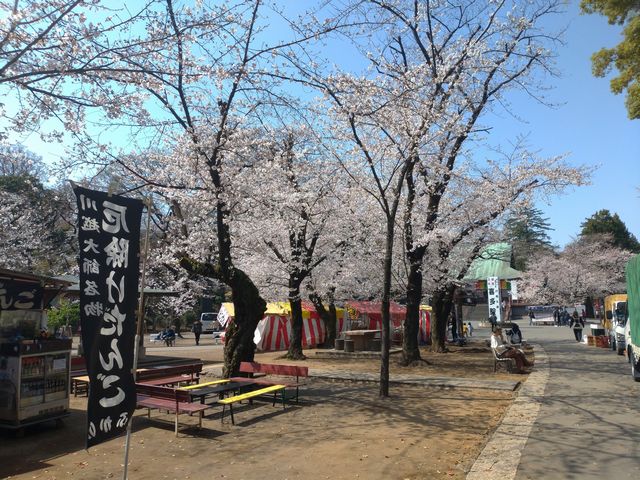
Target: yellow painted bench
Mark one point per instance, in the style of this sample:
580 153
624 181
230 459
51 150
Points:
249 395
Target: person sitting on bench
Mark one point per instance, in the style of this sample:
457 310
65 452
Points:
505 351
169 336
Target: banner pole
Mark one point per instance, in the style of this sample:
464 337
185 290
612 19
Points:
136 346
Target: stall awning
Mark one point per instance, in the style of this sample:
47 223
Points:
282 309
47 282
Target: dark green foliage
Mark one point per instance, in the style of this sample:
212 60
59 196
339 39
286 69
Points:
527 232
624 57
602 222
66 313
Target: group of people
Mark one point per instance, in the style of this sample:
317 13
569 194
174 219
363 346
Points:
169 334
562 318
467 329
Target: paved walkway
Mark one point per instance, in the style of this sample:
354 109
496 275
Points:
576 417
501 455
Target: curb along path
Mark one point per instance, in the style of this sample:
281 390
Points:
501 455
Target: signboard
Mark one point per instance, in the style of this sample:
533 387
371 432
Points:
514 290
109 238
20 296
493 295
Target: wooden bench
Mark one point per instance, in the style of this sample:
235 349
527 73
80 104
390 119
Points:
254 369
170 375
79 371
250 395
509 363
80 385
170 399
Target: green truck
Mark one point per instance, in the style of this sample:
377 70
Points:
632 328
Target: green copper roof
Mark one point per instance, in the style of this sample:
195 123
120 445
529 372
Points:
494 261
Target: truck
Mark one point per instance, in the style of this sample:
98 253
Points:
632 327
210 322
615 319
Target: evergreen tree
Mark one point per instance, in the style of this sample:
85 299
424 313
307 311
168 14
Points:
527 231
602 222
624 56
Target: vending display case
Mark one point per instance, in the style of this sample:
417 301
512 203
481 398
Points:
34 381
34 366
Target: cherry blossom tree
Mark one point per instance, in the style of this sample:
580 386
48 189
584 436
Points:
210 110
288 229
34 219
353 270
17 161
590 266
59 58
479 197
446 64
432 70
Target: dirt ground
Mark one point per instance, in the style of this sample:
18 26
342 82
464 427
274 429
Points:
340 430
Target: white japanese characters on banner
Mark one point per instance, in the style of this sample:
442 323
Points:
109 238
493 297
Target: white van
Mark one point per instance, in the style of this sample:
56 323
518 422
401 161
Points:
210 322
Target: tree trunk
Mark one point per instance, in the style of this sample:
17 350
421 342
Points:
414 255
329 318
295 342
458 295
386 302
588 305
441 304
333 323
249 310
410 348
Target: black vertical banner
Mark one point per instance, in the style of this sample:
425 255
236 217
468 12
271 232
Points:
109 238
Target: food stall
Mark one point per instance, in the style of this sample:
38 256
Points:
34 367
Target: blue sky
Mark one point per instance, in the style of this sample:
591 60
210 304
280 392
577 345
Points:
590 124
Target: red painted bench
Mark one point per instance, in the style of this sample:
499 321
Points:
170 375
261 369
170 399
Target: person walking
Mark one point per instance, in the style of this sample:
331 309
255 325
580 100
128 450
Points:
531 316
493 320
470 329
516 334
577 324
197 330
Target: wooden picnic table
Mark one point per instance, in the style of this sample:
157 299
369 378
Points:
219 390
361 338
